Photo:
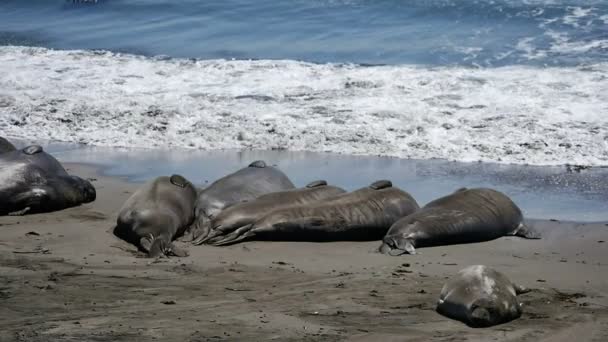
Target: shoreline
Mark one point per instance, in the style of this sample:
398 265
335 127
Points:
65 276
541 192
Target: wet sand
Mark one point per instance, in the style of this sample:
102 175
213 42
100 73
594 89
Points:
65 277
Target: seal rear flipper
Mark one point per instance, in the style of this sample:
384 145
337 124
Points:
316 183
526 232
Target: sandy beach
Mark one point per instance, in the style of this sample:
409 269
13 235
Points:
65 277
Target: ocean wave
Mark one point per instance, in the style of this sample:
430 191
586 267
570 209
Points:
514 114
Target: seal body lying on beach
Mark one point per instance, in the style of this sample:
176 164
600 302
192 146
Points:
480 296
245 213
32 181
6 146
156 213
243 185
365 214
467 215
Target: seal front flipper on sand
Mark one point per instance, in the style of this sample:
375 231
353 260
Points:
161 248
526 232
238 235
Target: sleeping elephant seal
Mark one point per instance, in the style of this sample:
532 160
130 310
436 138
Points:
6 146
243 185
467 215
32 181
480 296
245 213
365 214
156 213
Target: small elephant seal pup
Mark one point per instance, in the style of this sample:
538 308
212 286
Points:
6 146
480 296
245 213
243 185
32 181
156 213
465 216
365 215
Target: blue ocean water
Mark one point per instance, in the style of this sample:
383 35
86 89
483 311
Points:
506 81
430 32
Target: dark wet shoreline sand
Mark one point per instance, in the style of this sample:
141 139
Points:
64 276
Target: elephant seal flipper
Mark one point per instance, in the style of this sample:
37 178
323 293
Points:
526 232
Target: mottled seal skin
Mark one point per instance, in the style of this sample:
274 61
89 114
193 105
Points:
365 214
480 296
156 213
243 185
6 146
245 213
465 216
32 181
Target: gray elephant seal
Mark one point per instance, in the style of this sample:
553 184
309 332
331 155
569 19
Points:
156 213
32 181
6 146
467 215
243 185
480 296
245 213
364 215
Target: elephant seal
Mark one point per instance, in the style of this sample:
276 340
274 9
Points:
6 146
467 215
365 214
156 213
245 213
243 185
32 181
480 296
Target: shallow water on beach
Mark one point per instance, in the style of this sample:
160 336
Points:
541 192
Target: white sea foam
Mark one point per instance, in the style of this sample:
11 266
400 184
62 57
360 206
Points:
511 114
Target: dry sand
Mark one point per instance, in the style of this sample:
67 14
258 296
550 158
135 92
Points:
65 277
